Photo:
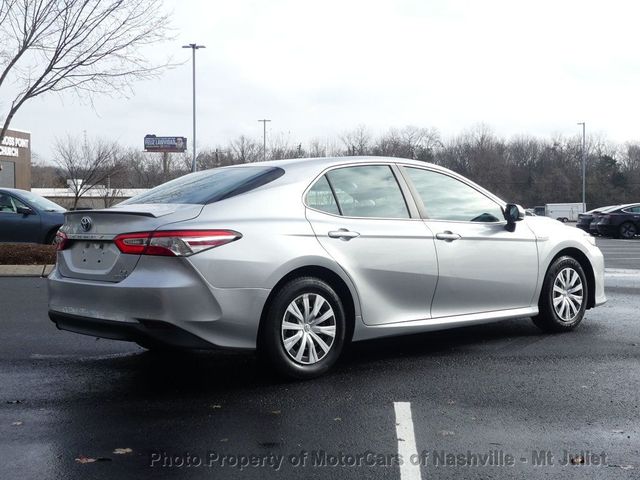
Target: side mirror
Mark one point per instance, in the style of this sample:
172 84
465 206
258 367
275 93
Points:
24 210
513 213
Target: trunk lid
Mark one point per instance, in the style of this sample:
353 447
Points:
92 254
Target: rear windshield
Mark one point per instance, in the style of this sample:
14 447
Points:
208 186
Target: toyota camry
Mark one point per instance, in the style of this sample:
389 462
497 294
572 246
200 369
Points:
298 258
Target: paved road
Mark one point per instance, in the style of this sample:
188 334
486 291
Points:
620 253
496 390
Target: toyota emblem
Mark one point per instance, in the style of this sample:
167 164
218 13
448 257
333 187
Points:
86 224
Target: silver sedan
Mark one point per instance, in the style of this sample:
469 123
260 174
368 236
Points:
297 258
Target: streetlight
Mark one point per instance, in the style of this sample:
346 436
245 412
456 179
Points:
264 138
193 48
584 167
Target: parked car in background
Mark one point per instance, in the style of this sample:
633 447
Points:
587 221
297 258
563 212
620 222
28 217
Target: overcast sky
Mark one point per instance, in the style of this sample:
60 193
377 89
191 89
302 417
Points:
318 68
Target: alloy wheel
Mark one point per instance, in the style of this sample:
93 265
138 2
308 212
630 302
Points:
308 328
568 294
628 230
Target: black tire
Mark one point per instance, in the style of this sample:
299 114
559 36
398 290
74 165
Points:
627 230
50 239
549 320
271 343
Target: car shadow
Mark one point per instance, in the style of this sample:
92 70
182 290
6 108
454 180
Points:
198 372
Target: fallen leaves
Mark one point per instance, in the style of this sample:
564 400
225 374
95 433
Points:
84 459
16 424
122 451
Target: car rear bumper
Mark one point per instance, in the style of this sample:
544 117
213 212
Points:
607 230
583 226
159 332
163 299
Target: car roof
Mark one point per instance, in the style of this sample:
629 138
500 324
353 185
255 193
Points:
325 162
627 205
12 190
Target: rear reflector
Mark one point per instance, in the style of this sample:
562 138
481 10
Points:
173 243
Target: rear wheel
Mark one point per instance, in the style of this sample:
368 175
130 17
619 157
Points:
304 329
563 299
628 230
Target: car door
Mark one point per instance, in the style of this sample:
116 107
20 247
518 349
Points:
483 267
14 226
362 219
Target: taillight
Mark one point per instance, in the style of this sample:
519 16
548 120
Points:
61 240
173 243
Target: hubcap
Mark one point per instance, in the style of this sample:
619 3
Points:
567 294
628 230
308 328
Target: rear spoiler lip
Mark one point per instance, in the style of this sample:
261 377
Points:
118 212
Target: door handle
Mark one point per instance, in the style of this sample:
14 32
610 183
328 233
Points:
447 236
343 234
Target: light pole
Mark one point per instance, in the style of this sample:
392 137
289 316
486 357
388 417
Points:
193 48
584 167
264 138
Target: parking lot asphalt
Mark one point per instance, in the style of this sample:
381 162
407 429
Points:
619 253
493 401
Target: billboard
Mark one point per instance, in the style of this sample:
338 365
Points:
164 144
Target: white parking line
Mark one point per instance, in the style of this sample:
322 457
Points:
406 442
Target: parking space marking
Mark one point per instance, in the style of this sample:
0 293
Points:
406 442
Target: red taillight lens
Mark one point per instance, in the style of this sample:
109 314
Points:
61 241
174 243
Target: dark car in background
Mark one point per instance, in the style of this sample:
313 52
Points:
623 221
28 217
587 221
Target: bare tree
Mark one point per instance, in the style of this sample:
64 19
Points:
358 141
246 150
90 46
86 164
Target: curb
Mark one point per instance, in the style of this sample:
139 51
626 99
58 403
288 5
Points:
25 270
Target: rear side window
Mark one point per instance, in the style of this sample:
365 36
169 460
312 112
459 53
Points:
320 197
368 191
209 186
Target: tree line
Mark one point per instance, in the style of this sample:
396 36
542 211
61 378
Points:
522 169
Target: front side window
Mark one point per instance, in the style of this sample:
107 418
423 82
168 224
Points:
446 198
7 204
368 191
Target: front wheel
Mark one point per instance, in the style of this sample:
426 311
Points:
304 329
563 299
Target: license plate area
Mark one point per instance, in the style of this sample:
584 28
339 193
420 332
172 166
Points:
92 254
